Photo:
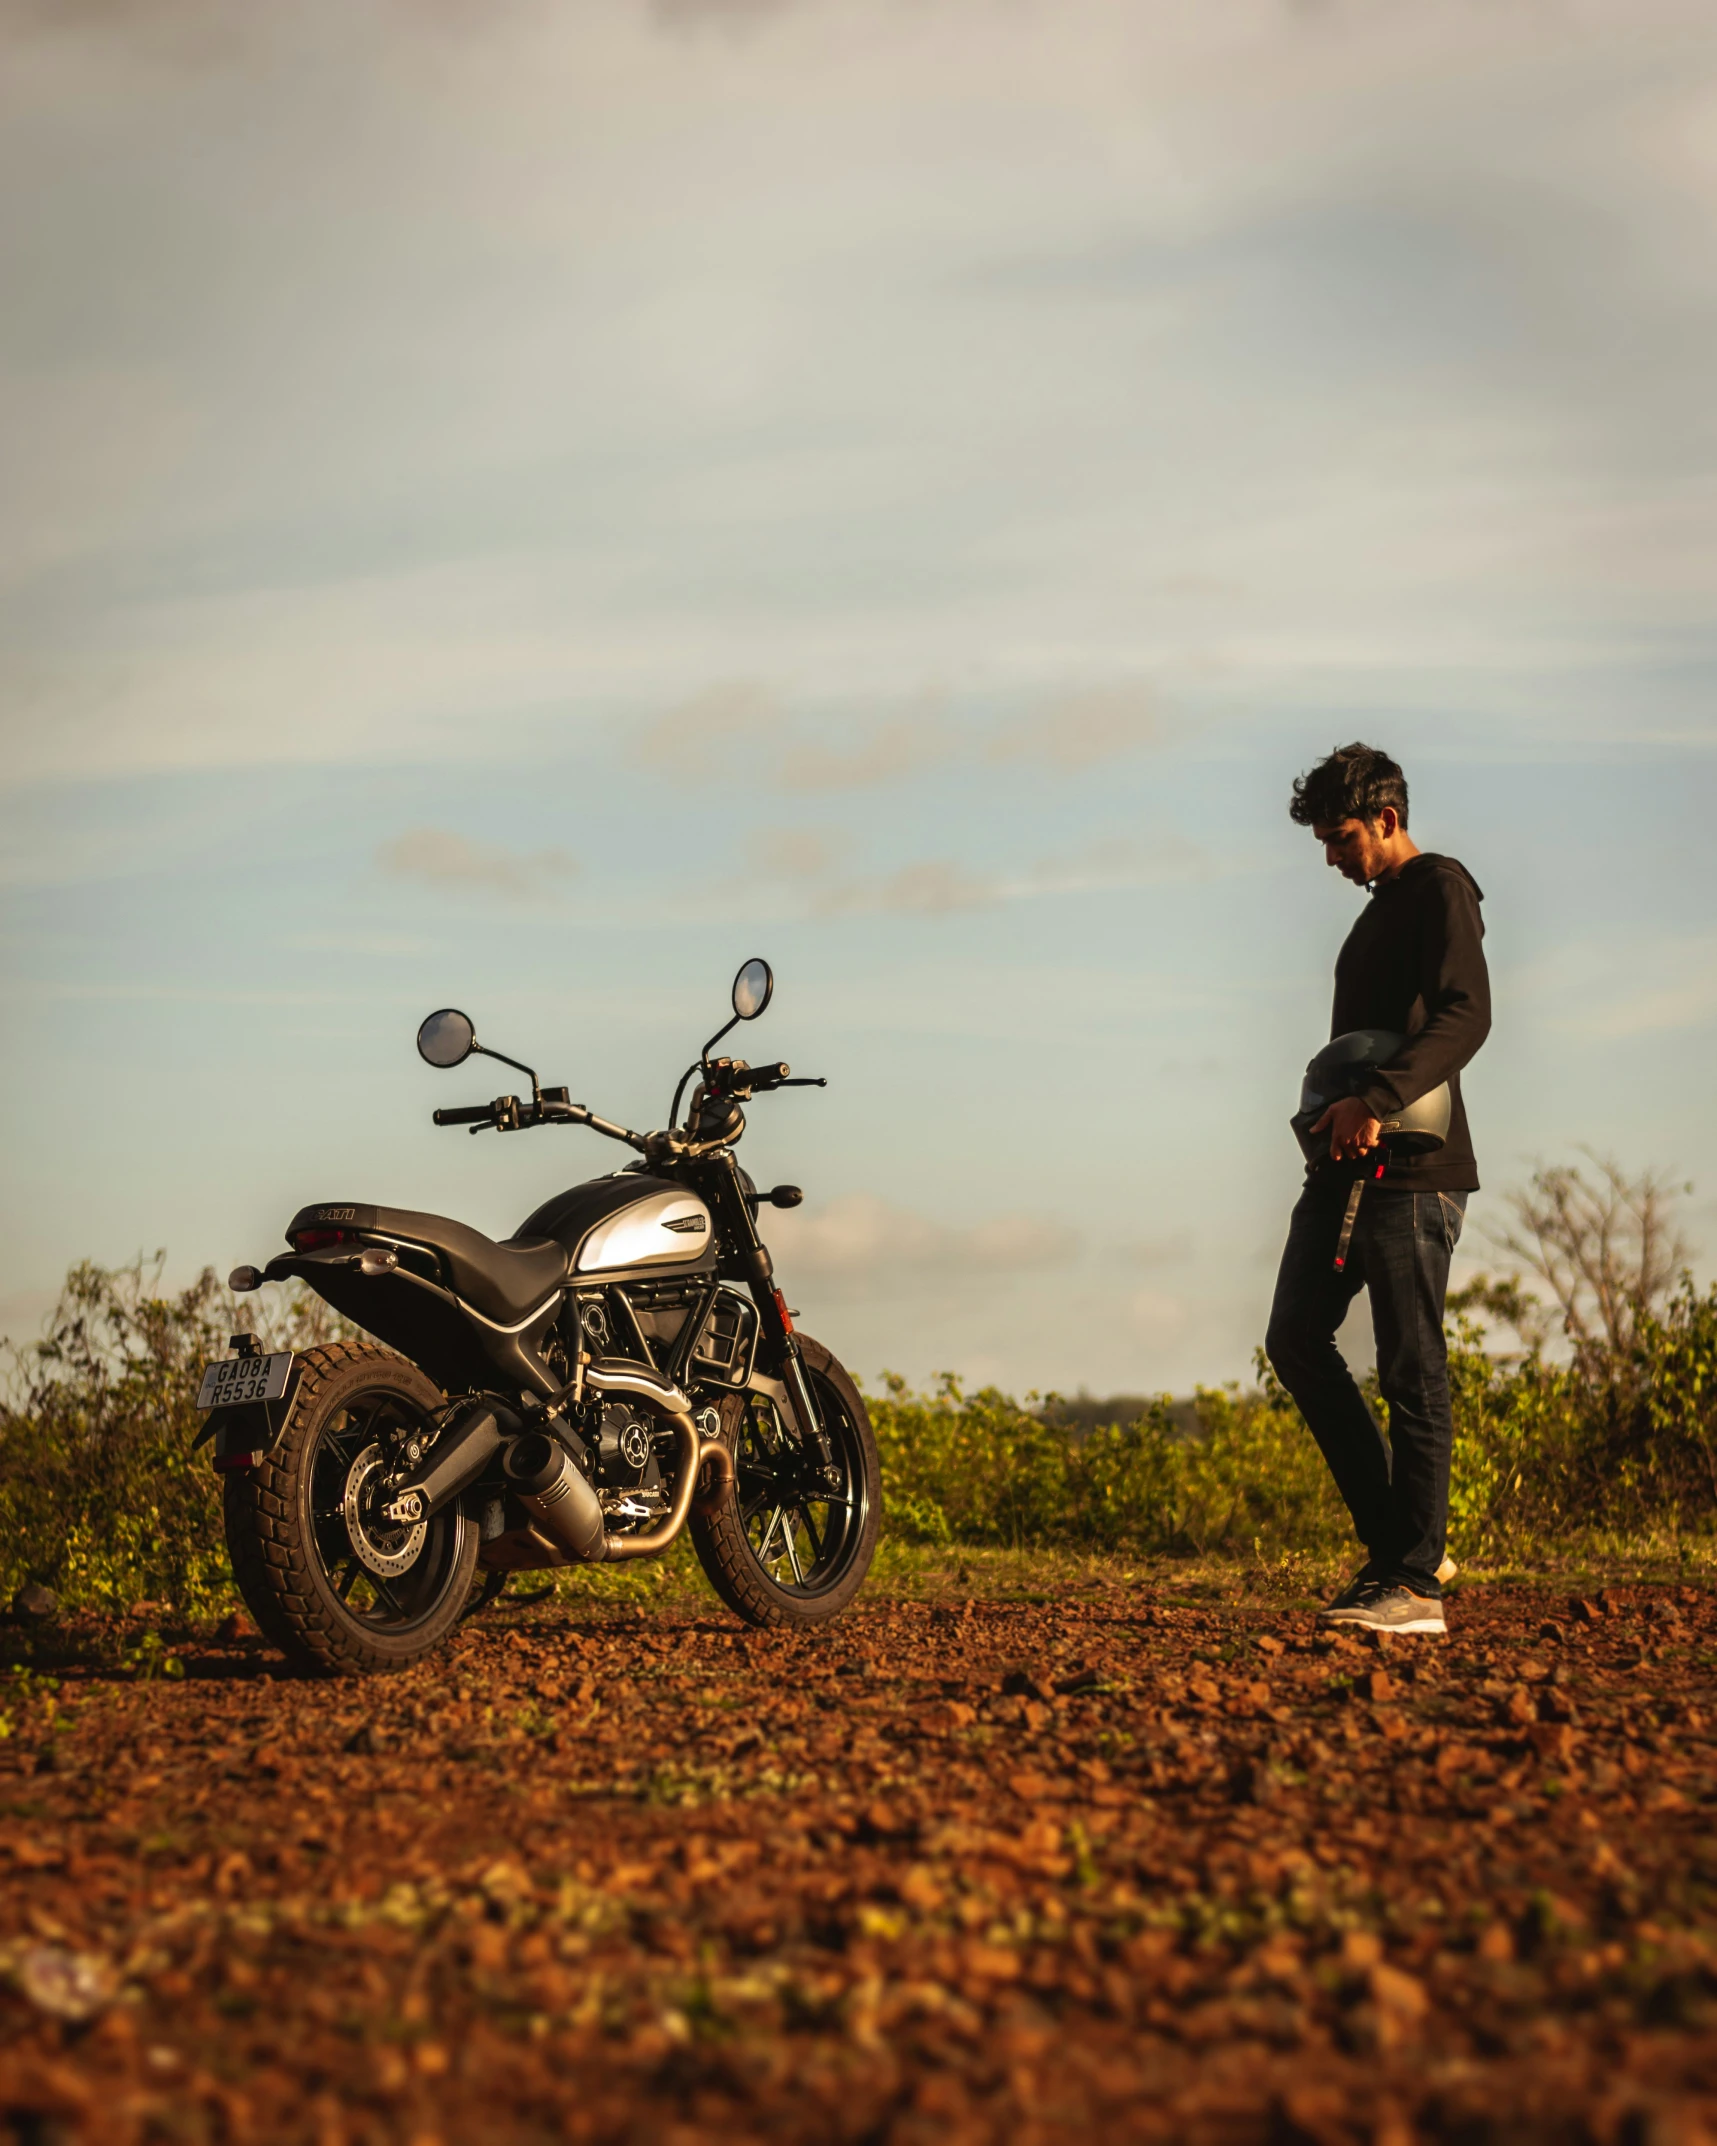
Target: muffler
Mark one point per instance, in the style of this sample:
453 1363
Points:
550 1486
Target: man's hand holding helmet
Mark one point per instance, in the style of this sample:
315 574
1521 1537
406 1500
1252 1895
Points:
1353 1131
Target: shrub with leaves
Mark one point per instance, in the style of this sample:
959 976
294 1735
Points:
101 1496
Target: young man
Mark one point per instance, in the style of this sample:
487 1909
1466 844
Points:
1414 964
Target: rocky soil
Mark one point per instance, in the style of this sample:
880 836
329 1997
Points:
1139 1863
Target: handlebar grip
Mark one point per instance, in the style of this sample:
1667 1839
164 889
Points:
475 1114
756 1077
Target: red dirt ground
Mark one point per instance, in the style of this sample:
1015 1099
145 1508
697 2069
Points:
1137 1864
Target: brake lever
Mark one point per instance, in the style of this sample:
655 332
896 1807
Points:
819 1082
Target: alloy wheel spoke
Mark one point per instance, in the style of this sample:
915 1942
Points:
768 1537
792 1551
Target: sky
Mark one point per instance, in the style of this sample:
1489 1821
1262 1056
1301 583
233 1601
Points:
526 506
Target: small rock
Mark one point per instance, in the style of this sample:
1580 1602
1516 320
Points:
1495 1942
1361 1950
1399 1993
35 1604
1310 2116
1032 1787
233 1627
1082 1680
1268 1643
1519 1707
73 1986
1376 1685
1585 1612
1553 1741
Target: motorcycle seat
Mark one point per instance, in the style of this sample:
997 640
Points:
503 1283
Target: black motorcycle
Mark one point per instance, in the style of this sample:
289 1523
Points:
622 1367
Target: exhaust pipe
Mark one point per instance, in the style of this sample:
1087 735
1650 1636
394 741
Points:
718 1460
565 1509
553 1491
695 1453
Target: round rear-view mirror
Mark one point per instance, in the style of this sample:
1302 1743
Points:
752 988
446 1038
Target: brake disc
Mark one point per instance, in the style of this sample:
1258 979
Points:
390 1550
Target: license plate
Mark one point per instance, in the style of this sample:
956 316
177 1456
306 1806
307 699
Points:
237 1379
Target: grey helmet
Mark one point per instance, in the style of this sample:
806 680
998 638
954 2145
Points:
1344 1066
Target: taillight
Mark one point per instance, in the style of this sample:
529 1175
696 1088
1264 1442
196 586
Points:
318 1240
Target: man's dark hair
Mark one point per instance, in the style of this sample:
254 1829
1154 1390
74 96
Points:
1354 783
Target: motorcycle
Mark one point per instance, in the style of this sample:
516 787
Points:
622 1368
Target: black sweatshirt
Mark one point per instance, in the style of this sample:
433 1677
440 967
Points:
1414 962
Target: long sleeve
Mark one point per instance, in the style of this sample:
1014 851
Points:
1454 988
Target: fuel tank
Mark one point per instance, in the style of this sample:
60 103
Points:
626 1224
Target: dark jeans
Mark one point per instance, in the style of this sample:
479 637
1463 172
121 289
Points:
1397 1493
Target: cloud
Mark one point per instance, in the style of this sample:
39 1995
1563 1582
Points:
436 857
1081 729
795 853
735 17
933 887
865 1245
940 886
1607 991
695 740
1150 1252
743 731
881 754
1155 1314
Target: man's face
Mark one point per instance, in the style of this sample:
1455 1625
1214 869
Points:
1356 848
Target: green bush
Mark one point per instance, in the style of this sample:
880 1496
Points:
1622 1446
981 1468
101 1496
103 1499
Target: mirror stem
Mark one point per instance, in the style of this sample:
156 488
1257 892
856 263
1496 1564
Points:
716 1038
517 1064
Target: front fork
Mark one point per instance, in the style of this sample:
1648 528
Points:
776 1320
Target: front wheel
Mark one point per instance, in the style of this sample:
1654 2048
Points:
330 1580
787 1548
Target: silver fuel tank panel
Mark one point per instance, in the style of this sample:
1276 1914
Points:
619 1224
664 1229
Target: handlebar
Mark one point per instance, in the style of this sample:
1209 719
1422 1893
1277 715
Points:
725 1077
551 1106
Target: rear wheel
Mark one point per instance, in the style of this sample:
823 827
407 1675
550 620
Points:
335 1585
786 1548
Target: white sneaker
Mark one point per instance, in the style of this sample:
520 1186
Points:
1389 1609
